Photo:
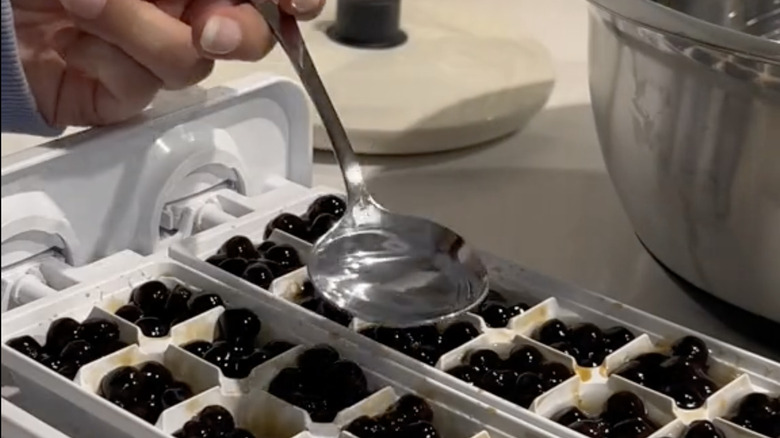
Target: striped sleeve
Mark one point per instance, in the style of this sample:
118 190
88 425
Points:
19 113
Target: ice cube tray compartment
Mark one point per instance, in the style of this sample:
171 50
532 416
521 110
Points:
591 399
283 321
547 298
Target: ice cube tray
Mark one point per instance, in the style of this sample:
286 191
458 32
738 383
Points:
736 372
195 176
255 409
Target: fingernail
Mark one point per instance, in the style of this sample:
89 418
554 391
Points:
303 6
88 9
220 35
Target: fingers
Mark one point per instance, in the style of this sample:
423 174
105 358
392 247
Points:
155 39
233 29
227 29
302 9
107 85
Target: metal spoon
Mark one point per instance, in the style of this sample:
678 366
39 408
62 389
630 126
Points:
382 267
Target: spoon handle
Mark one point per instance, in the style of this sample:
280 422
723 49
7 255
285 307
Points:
285 29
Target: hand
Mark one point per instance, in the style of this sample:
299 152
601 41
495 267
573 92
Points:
96 62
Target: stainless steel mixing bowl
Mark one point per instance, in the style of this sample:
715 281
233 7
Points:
686 97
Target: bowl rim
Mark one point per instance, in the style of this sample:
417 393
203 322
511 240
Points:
664 19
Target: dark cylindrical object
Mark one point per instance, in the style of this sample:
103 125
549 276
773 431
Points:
368 23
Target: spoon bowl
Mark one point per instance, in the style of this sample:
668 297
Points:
396 270
381 267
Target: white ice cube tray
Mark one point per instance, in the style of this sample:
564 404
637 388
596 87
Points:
737 372
93 215
456 416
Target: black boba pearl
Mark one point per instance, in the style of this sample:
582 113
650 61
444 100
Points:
198 348
284 255
218 419
122 384
758 406
154 376
259 274
129 312
552 331
151 297
276 269
496 315
311 304
677 369
632 428
238 326
60 333
616 337
467 373
288 382
590 428
175 393
566 348
235 266
307 290
146 407
458 334
413 407
586 337
205 302
239 247
569 416
68 370
634 371
348 377
685 395
427 335
319 409
396 339
255 359
216 259
426 354
98 331
177 307
485 359
517 309
554 373
420 429
330 204
499 382
265 246
317 358
527 388
651 359
112 347
692 349
78 352
288 223
320 226
220 354
589 359
196 429
366 427
623 406
26 345
703 429
334 314
276 348
153 327
525 358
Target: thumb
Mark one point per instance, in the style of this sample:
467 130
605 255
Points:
86 9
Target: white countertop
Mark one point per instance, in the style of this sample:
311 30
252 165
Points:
543 195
